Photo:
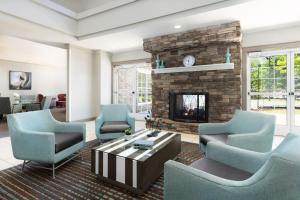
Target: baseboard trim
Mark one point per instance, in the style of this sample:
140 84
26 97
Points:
85 120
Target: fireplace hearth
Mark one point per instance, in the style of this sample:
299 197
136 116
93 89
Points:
189 107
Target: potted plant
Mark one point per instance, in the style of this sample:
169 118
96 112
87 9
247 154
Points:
128 134
154 124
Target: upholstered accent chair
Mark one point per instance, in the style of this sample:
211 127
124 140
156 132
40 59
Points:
24 99
45 104
37 137
113 120
40 98
61 100
6 108
247 130
233 173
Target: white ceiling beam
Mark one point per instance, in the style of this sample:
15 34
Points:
56 7
136 12
17 27
142 12
36 13
103 8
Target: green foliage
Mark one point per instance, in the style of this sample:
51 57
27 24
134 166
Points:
128 131
268 74
297 72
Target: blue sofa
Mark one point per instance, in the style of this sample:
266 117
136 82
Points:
113 120
247 130
37 136
268 176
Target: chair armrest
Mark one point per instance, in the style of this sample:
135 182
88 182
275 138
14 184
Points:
213 128
246 160
33 145
184 182
98 124
260 141
131 120
70 127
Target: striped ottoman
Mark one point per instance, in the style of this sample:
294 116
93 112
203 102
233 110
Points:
119 163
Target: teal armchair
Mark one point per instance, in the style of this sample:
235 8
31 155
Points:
247 130
271 176
113 120
37 137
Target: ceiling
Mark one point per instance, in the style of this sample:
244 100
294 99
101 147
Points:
121 25
81 5
254 16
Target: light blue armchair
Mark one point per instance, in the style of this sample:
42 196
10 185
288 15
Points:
113 120
37 136
247 130
268 176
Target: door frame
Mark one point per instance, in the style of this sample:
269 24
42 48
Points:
294 128
290 99
134 94
115 86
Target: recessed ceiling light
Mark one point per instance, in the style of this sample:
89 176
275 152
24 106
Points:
177 26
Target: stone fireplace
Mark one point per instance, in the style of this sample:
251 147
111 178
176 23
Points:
208 46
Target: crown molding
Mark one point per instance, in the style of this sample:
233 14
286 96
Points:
84 14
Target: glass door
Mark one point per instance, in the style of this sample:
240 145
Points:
144 91
132 85
274 87
268 90
124 85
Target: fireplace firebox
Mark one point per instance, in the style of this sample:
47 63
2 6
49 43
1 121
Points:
189 107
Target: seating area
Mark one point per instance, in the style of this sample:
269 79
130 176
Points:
25 103
113 121
54 140
246 130
231 173
150 100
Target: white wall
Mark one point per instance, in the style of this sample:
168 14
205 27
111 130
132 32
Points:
82 89
46 63
130 55
273 36
105 78
20 50
46 80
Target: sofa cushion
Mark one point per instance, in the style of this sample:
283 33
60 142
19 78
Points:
222 137
221 170
113 127
64 140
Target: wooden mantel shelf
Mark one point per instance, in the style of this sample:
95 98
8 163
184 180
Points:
222 66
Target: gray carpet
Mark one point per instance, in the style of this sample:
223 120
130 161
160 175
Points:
58 113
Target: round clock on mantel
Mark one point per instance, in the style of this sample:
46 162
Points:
189 61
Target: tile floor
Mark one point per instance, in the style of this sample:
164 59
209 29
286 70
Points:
7 159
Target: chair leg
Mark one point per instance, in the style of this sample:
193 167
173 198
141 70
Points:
23 166
53 171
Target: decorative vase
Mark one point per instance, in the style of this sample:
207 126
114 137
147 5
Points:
157 62
162 64
227 56
128 137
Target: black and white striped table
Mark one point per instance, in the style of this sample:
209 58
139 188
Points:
119 163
